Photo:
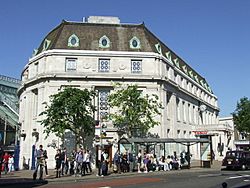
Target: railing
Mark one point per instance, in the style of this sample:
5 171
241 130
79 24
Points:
8 79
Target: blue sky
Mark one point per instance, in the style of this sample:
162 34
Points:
212 36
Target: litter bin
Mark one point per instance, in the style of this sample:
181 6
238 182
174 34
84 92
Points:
206 164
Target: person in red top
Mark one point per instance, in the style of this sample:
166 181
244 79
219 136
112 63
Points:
1 160
5 162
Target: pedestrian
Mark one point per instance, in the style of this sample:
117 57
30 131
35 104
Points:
88 162
84 166
125 166
130 162
1 160
45 162
65 166
72 162
117 162
6 162
58 158
11 164
139 160
146 162
39 162
169 161
104 162
79 160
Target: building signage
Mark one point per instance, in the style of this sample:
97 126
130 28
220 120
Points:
197 133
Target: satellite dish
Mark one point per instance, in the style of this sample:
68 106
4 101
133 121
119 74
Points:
203 108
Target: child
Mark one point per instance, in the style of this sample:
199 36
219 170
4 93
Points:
11 164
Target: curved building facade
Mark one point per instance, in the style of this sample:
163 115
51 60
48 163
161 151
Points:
101 50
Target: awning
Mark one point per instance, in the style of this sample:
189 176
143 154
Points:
184 141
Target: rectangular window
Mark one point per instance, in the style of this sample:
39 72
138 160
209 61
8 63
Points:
71 64
103 108
136 66
104 65
36 68
168 104
195 115
178 109
35 102
184 111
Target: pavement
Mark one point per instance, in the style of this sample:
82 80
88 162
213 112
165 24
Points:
25 176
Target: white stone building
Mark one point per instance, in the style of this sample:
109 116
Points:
94 53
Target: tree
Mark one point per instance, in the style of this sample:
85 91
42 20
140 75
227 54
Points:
135 112
241 116
71 109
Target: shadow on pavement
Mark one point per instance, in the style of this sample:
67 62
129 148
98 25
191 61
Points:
24 182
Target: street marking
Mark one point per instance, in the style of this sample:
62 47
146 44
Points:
209 175
104 187
236 177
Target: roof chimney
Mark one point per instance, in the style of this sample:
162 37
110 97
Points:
103 20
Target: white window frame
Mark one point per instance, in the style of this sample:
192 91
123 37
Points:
139 66
103 68
71 64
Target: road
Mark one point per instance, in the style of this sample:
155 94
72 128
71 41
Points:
176 179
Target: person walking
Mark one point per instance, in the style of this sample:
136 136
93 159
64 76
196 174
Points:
84 166
139 160
45 155
72 162
39 162
88 162
79 160
11 164
6 162
58 158
64 161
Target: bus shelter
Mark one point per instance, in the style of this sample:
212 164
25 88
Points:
150 145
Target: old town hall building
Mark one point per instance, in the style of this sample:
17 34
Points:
100 50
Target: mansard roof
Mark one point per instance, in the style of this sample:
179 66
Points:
119 36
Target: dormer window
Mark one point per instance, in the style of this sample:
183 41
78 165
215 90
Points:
158 48
104 42
34 52
73 41
135 43
46 44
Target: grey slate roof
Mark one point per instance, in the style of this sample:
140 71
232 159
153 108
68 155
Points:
119 36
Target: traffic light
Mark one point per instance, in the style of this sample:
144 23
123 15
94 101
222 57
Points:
103 134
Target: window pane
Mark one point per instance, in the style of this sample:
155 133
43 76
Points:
70 64
104 65
136 66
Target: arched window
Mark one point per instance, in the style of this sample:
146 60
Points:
104 42
73 41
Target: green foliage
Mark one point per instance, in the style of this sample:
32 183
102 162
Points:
135 112
71 109
241 115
